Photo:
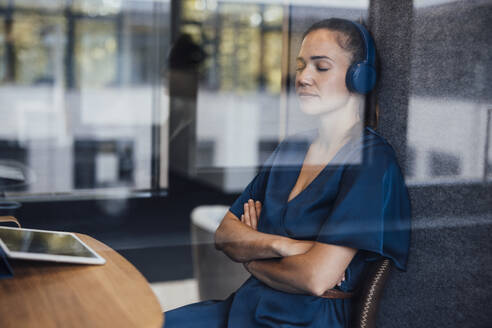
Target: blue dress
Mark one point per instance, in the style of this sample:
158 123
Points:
359 200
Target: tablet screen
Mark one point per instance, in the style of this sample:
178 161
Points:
43 242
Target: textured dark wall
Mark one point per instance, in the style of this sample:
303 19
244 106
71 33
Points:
443 52
447 283
389 23
451 53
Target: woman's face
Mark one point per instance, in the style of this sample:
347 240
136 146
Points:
321 68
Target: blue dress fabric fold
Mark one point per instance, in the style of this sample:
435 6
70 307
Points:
358 200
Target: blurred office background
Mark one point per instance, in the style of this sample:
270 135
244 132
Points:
118 117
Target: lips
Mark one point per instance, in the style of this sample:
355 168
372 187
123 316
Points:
306 94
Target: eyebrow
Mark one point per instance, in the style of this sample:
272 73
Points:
316 58
321 57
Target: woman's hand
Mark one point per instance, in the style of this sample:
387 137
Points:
241 242
284 246
252 211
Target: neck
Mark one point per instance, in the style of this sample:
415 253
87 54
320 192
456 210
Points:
339 126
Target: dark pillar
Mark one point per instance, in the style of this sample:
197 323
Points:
70 47
391 25
10 67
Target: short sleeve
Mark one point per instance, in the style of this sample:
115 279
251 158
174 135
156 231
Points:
372 210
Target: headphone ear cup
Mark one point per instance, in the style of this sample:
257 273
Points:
360 78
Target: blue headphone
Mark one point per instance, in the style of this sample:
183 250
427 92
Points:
361 76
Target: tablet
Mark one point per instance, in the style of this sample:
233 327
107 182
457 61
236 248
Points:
42 245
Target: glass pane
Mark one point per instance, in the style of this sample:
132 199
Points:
3 59
240 82
82 100
97 7
39 4
273 15
448 117
272 66
95 52
38 42
194 10
34 132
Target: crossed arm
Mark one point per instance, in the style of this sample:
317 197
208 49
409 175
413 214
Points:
282 263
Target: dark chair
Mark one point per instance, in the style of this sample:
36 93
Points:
366 300
9 220
14 176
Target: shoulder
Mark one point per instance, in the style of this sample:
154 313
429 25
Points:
372 153
377 148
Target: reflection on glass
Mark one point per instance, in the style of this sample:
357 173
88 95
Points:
273 15
240 77
239 58
243 43
39 4
95 52
97 7
38 41
272 64
447 121
195 10
80 92
240 88
2 53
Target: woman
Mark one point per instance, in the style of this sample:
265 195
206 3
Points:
312 219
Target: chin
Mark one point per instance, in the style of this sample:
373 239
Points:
310 106
312 111
314 108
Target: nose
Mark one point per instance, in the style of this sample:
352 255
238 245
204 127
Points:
304 77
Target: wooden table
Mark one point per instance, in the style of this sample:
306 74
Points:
44 294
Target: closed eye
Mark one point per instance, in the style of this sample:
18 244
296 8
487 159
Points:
322 66
322 63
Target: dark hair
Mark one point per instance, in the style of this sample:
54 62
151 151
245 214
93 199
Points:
349 38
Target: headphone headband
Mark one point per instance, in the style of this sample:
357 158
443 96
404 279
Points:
370 51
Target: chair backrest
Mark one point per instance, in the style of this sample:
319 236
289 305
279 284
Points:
367 299
9 219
